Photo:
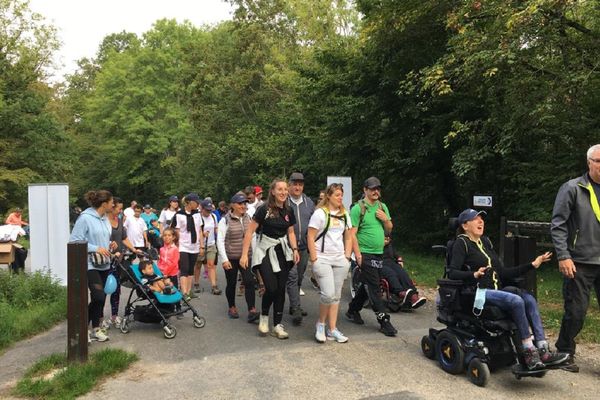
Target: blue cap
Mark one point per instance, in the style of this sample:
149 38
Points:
469 215
193 197
239 198
173 198
207 204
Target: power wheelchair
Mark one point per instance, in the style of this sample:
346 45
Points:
477 344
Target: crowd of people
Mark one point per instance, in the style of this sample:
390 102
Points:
271 244
265 245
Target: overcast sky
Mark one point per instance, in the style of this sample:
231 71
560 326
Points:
82 24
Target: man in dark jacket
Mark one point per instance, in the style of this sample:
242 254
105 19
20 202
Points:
303 208
575 232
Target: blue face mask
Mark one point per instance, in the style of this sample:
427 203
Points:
479 302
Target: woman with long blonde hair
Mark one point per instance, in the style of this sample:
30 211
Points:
330 245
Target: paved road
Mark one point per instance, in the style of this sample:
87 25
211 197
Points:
227 359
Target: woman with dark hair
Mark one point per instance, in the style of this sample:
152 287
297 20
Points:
276 252
167 213
93 226
474 261
119 236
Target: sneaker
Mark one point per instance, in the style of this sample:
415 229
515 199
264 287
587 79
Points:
215 290
241 290
296 313
106 324
279 332
320 332
301 292
116 321
197 288
405 296
252 315
89 337
417 301
355 317
99 335
304 313
187 297
315 283
336 335
531 357
193 295
233 313
550 358
263 325
385 326
569 365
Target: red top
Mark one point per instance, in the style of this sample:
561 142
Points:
168 263
14 219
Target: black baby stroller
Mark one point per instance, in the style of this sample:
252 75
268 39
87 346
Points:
144 305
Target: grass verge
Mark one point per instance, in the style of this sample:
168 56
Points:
53 378
29 304
427 269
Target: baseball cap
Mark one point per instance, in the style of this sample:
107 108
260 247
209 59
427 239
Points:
296 176
257 189
193 197
469 215
173 198
239 198
147 206
372 183
207 204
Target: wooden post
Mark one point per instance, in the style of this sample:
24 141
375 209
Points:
77 302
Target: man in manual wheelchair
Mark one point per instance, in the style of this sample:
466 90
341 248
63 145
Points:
488 323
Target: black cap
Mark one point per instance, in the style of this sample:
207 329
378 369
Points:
207 204
173 198
372 183
296 176
239 198
193 197
147 206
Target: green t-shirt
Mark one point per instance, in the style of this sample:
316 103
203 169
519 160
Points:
370 233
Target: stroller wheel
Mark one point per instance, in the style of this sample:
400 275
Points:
199 322
124 327
478 372
169 331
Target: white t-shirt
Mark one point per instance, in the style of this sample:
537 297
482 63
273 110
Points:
185 237
135 230
165 217
209 226
334 238
128 212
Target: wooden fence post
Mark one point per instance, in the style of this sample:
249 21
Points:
77 302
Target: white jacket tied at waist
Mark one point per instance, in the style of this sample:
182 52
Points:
265 247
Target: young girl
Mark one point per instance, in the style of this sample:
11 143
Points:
168 262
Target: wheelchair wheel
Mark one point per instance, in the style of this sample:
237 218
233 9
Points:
428 347
478 372
449 353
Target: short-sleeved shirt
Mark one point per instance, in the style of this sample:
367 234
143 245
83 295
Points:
166 216
135 231
334 238
148 218
370 234
210 226
274 224
185 236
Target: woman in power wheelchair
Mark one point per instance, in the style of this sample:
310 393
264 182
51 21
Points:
487 323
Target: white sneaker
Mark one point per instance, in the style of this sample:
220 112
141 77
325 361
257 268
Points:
302 292
89 337
99 335
106 324
116 321
263 325
336 335
320 332
279 332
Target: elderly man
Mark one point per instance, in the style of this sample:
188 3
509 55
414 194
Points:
575 232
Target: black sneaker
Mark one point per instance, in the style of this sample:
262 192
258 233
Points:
385 326
550 358
355 317
569 365
531 357
296 316
304 313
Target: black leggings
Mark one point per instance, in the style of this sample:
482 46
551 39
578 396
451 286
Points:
275 283
247 279
96 282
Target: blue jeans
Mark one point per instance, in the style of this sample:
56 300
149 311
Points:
523 309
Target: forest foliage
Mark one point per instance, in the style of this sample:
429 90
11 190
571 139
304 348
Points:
439 99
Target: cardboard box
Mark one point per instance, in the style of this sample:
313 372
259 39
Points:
7 252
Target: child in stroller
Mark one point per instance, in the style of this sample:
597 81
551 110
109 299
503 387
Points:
154 282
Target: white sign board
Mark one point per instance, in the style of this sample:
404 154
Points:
482 201
347 182
49 228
